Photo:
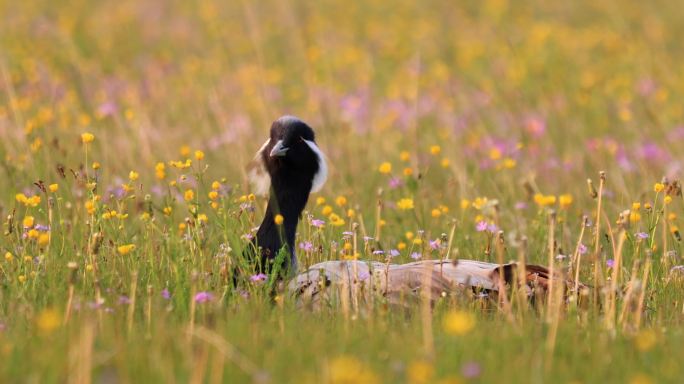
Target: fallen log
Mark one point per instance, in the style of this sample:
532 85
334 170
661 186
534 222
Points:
362 281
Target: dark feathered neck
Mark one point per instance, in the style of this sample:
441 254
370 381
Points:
289 194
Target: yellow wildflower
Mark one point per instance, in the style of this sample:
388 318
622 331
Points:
409 235
668 199
53 188
95 165
348 369
419 372
278 219
645 340
8 256
87 137
658 187
404 156
199 155
43 239
385 168
465 203
436 213
341 201
636 206
189 195
405 204
445 163
90 207
565 201
401 246
408 171
185 151
326 210
167 211
320 200
125 249
133 175
28 222
216 185
48 320
21 198
213 195
458 323
435 150
22 279
202 218
160 170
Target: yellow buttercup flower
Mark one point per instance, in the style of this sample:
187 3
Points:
341 201
458 322
658 187
199 155
405 204
385 168
53 188
133 175
185 151
125 249
213 195
435 149
48 320
436 213
278 219
87 137
565 201
189 195
405 156
320 200
160 170
28 222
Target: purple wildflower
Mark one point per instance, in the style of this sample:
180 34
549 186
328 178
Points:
471 370
42 228
307 246
492 228
317 223
165 293
395 183
203 297
258 278
124 300
582 249
481 226
641 235
520 205
394 253
378 252
416 255
434 244
610 263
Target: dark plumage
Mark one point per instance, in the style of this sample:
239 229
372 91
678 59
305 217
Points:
295 167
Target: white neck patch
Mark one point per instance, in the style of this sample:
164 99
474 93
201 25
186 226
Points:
322 175
257 174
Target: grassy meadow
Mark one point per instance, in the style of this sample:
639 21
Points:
544 131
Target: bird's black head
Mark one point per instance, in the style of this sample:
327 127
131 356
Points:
291 155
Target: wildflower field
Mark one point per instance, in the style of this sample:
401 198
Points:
546 132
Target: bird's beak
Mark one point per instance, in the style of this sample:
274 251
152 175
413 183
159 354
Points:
278 149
